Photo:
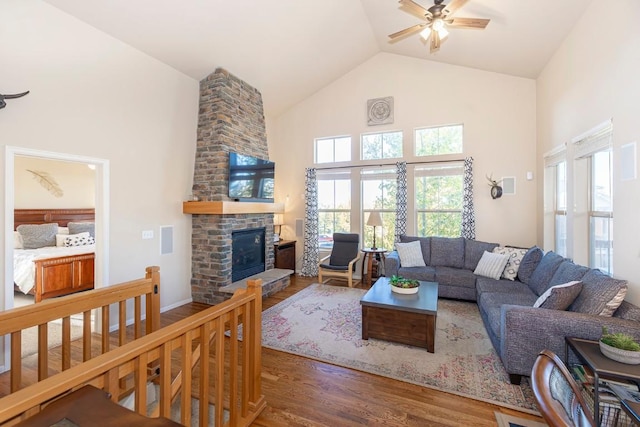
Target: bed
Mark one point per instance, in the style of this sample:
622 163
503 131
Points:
53 271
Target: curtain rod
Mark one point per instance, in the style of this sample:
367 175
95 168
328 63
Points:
391 164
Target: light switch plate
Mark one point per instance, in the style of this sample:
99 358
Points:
147 234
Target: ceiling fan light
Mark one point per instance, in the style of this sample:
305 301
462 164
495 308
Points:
442 32
438 24
425 33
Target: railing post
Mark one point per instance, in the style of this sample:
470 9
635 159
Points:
255 287
153 302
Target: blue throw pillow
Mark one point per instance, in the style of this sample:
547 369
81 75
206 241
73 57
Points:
529 263
543 273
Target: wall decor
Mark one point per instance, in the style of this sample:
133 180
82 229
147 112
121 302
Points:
380 111
17 95
496 189
48 182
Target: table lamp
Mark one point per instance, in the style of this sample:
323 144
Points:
375 220
277 222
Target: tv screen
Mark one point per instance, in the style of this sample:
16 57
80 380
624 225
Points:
250 178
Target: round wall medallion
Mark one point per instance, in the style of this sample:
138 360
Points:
380 111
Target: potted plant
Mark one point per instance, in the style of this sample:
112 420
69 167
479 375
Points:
620 347
404 286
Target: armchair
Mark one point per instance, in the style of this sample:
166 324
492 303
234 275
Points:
342 260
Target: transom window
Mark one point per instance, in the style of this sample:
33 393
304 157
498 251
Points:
439 196
384 145
434 141
332 150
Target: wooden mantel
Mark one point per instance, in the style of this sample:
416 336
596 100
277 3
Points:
230 208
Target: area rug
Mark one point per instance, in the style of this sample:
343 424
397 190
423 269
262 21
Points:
54 334
324 322
505 420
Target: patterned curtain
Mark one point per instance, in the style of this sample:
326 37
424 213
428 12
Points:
310 254
468 229
401 200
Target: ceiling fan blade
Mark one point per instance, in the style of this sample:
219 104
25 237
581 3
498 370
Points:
407 31
453 5
467 22
435 41
415 9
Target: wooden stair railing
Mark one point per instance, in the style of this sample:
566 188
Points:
14 321
224 369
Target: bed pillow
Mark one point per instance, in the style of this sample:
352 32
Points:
60 238
410 254
81 227
36 236
80 239
63 230
559 297
17 241
491 265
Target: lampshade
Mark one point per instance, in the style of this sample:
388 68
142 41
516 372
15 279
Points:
278 219
375 219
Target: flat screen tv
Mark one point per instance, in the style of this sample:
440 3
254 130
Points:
250 178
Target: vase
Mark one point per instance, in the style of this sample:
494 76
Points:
623 356
405 291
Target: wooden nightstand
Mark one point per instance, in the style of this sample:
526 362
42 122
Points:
285 254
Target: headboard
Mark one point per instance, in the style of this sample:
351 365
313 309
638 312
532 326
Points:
60 216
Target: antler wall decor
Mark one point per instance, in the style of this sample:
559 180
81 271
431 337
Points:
496 189
17 95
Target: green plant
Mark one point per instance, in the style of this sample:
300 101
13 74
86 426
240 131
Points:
401 282
619 340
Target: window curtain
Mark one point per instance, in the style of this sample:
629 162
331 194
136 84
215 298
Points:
401 200
468 228
310 253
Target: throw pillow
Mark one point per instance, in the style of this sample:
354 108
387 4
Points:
559 297
17 241
491 265
515 256
410 254
36 236
601 294
63 230
529 263
81 227
60 238
79 240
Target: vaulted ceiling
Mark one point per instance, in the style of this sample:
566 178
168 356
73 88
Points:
289 49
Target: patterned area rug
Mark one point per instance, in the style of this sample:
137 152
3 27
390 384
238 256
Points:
505 420
324 323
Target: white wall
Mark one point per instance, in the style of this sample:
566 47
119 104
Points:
75 180
94 96
498 113
593 77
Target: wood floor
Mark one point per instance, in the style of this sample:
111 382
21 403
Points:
304 392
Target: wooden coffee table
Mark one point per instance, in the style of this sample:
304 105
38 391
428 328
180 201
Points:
406 319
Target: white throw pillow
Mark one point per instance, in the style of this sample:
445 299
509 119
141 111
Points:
410 254
60 238
17 241
565 295
79 239
491 265
63 230
513 263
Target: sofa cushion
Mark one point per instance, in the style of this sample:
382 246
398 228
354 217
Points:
600 294
410 254
515 256
491 265
529 262
473 250
544 272
567 272
559 297
425 244
485 284
491 303
455 277
447 252
428 274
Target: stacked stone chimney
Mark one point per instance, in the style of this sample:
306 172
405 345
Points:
231 118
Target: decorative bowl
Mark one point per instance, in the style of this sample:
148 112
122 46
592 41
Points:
619 355
405 291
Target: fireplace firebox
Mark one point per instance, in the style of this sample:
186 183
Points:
247 253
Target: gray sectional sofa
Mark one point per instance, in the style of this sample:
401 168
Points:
517 330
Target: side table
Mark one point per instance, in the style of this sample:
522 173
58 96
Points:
370 253
589 353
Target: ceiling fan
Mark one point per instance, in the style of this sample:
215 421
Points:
438 18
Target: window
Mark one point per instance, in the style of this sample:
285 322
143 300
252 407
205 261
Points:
334 206
560 209
601 212
385 145
439 196
379 194
331 150
439 140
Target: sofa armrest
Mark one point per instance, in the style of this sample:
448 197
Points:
391 264
525 331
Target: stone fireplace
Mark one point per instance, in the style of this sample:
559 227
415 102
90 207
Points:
231 118
247 253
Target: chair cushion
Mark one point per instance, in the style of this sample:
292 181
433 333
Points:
335 267
447 252
410 254
529 263
473 250
345 248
